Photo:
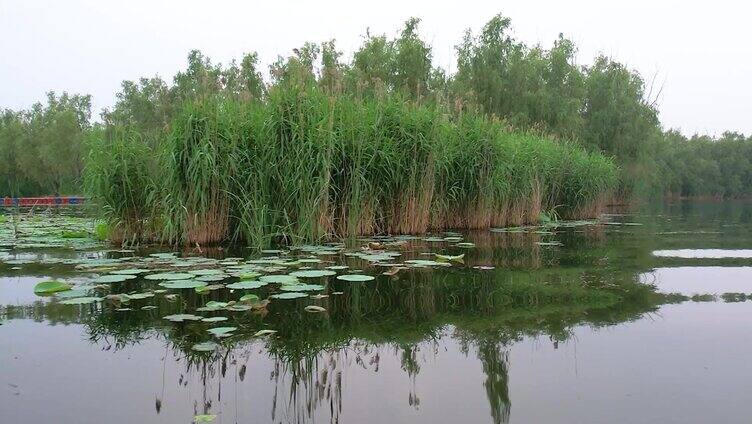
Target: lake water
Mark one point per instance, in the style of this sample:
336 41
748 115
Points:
565 328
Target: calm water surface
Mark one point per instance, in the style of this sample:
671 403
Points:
423 347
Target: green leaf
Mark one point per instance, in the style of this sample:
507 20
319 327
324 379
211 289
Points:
289 295
314 308
81 300
222 331
213 277
206 272
279 279
312 273
301 287
452 258
113 278
214 319
249 298
130 271
183 284
354 278
247 285
205 347
49 287
182 317
169 276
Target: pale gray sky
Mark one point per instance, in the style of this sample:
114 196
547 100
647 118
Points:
700 52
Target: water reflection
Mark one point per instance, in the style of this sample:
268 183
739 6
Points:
425 345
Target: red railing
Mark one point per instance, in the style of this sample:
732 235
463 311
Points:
43 201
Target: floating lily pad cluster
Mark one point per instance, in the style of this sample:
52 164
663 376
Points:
126 280
43 231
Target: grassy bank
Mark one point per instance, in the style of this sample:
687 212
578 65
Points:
310 165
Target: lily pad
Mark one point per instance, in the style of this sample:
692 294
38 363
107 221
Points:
264 333
212 306
81 300
450 258
279 279
246 285
313 273
182 317
113 278
163 255
206 272
183 284
138 296
210 287
314 309
337 267
309 261
204 347
354 278
239 308
76 292
213 277
50 287
169 276
249 298
130 271
222 331
301 287
214 319
423 262
289 295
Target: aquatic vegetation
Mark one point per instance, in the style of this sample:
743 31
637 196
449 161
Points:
355 278
312 273
169 276
182 317
130 271
114 278
442 277
734 297
249 298
279 279
221 331
47 231
314 309
214 319
205 347
50 287
307 165
247 285
264 333
289 295
81 300
301 287
183 284
450 258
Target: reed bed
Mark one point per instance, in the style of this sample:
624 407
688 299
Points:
306 165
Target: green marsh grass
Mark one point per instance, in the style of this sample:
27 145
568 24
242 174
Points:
305 165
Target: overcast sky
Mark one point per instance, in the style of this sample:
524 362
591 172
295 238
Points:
700 53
